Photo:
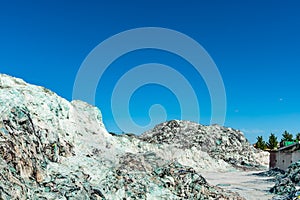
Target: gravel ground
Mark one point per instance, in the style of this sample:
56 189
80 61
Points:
246 184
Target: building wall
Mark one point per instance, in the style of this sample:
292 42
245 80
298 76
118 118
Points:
282 159
296 156
286 160
273 159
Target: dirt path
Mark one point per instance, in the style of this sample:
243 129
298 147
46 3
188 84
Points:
247 185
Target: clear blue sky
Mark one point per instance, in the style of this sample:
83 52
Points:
255 44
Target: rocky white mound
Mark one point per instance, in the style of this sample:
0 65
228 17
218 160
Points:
53 149
219 142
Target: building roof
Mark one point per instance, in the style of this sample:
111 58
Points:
291 148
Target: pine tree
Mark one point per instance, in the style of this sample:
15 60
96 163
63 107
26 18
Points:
273 142
286 136
261 144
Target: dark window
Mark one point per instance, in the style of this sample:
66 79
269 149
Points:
282 160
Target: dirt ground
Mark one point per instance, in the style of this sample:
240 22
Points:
247 185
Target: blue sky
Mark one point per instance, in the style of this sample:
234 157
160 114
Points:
255 45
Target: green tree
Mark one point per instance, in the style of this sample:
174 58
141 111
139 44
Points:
261 144
286 136
298 136
273 142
